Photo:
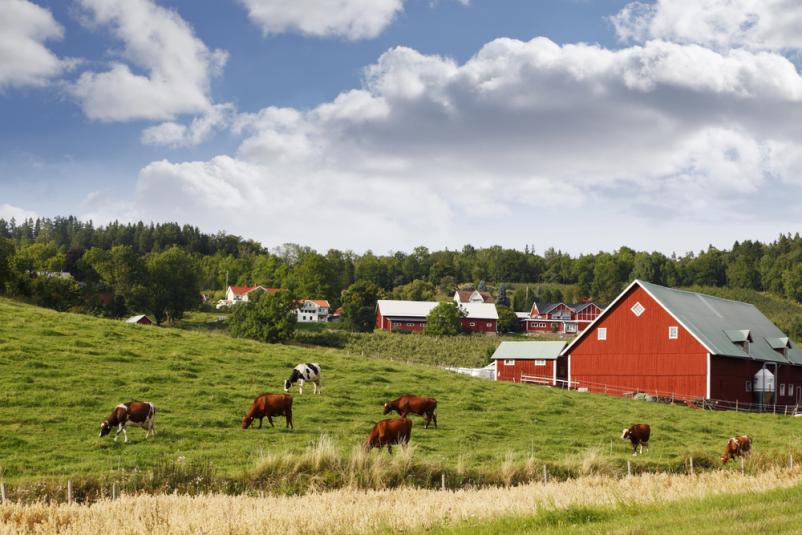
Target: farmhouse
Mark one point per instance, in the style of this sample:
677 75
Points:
313 310
239 294
685 345
393 315
472 296
528 362
559 317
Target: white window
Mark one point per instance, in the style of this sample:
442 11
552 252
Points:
509 362
782 389
472 324
637 309
749 386
673 332
540 363
410 324
489 324
601 333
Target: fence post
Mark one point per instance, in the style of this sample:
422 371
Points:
611 446
69 491
114 491
629 468
545 474
443 481
2 492
742 466
736 405
692 472
790 461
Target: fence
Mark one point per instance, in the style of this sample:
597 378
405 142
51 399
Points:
663 397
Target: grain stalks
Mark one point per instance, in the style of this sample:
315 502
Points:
355 511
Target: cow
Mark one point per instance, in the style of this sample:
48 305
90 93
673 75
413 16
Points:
269 405
138 413
388 432
638 434
301 373
740 445
421 406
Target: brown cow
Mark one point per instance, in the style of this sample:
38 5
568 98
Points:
416 405
638 434
388 432
269 405
737 446
138 413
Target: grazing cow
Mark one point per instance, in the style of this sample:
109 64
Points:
269 405
638 434
737 446
138 413
301 373
388 432
416 405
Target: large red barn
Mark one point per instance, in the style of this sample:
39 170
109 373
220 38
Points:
682 344
395 315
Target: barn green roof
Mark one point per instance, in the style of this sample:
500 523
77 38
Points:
723 325
528 350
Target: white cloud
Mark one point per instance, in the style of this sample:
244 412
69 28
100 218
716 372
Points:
428 147
24 59
720 24
173 134
8 211
178 66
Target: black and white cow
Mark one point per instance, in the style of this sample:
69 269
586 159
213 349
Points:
138 413
301 373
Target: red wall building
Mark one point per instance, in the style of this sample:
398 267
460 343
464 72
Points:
560 318
394 315
527 362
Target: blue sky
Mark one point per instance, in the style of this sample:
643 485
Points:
385 124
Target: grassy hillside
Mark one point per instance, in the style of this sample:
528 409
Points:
61 374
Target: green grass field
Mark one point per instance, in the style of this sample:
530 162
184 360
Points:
61 374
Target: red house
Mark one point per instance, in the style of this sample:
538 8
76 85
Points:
685 345
394 315
560 318
527 362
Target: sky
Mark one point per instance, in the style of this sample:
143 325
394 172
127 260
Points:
583 125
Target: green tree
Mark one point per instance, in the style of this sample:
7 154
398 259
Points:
173 284
58 293
265 317
444 320
417 290
507 320
7 251
359 305
502 298
792 282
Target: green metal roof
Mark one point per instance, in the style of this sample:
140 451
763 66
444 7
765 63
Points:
719 324
528 350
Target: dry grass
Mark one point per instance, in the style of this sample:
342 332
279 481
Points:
353 511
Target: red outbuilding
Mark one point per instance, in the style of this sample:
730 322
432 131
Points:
527 362
395 315
686 345
559 318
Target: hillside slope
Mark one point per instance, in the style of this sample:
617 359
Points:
61 374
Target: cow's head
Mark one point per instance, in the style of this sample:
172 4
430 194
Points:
387 408
246 421
105 428
625 434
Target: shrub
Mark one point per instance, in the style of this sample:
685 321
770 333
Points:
266 317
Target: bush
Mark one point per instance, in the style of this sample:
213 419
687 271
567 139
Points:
444 320
266 317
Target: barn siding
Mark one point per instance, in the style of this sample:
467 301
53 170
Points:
480 325
729 376
507 372
638 354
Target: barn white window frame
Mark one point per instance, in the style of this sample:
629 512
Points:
749 386
782 389
638 309
601 333
673 332
509 362
472 324
489 324
540 362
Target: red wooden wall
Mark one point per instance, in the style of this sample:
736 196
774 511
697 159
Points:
513 372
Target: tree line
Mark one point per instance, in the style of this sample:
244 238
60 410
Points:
126 267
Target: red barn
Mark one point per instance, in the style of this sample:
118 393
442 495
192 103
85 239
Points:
560 318
683 344
531 362
393 315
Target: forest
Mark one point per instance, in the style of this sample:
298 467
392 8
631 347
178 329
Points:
122 268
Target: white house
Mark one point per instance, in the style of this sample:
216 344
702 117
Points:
472 296
313 310
239 294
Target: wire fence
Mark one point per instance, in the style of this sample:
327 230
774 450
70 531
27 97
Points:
664 397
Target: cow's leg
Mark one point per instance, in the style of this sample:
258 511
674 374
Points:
125 434
434 418
300 386
260 422
317 386
270 419
119 430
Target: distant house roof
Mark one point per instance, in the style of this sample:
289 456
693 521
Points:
143 319
545 308
528 350
318 302
405 309
579 307
482 311
720 325
523 315
464 296
242 290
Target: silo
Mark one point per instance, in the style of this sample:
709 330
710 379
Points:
763 387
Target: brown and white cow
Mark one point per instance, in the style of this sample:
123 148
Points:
421 406
269 405
638 434
388 432
138 413
737 446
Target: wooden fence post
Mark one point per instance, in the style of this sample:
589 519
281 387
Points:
692 472
736 405
742 466
790 461
545 474
611 446
443 481
69 491
2 492
114 491
629 468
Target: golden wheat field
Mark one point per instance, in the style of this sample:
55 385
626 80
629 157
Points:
353 511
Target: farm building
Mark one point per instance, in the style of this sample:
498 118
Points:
472 296
393 315
559 317
139 320
239 294
528 362
685 345
313 310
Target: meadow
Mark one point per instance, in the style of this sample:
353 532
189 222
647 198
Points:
61 374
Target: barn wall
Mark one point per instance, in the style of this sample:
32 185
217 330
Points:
638 354
513 372
480 325
407 325
729 376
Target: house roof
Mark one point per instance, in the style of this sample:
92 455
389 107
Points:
421 309
242 290
528 350
579 307
482 311
545 308
136 319
523 315
318 302
718 324
464 296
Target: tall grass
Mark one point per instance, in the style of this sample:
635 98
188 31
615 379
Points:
357 511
